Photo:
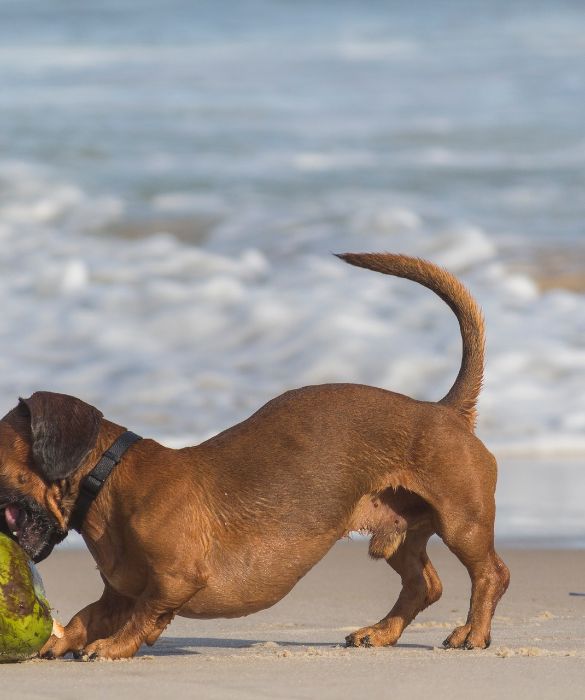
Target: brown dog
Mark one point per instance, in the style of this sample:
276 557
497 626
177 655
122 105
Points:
228 527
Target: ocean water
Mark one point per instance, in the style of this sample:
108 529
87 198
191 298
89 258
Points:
174 177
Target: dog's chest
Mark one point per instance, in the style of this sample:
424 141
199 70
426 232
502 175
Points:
119 568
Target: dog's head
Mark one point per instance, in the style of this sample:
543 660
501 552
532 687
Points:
43 442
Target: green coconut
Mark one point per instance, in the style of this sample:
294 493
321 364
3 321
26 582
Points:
25 614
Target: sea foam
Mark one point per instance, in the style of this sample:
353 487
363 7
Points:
177 339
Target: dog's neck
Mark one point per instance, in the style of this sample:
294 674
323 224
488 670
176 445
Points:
72 486
93 482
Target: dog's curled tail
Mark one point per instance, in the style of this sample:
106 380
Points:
465 391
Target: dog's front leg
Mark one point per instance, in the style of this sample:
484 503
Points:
95 621
152 611
144 626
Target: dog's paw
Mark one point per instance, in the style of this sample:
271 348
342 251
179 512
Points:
357 640
109 649
82 655
464 637
99 650
457 638
54 648
380 635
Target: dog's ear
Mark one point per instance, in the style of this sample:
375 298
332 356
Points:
64 430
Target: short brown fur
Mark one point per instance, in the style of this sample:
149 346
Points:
228 527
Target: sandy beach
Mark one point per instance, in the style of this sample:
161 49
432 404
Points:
294 650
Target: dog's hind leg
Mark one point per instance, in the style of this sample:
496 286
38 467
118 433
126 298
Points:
421 587
473 544
464 516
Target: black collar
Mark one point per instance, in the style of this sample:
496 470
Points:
93 482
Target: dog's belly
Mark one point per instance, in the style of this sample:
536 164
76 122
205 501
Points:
262 570
221 601
256 578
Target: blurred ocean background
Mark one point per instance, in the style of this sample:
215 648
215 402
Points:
174 177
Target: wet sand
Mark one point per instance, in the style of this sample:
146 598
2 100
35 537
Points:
294 650
553 267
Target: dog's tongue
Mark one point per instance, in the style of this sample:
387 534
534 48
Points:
11 513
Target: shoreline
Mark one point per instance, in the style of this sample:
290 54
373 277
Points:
553 267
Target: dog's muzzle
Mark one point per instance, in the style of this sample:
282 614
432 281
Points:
28 524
